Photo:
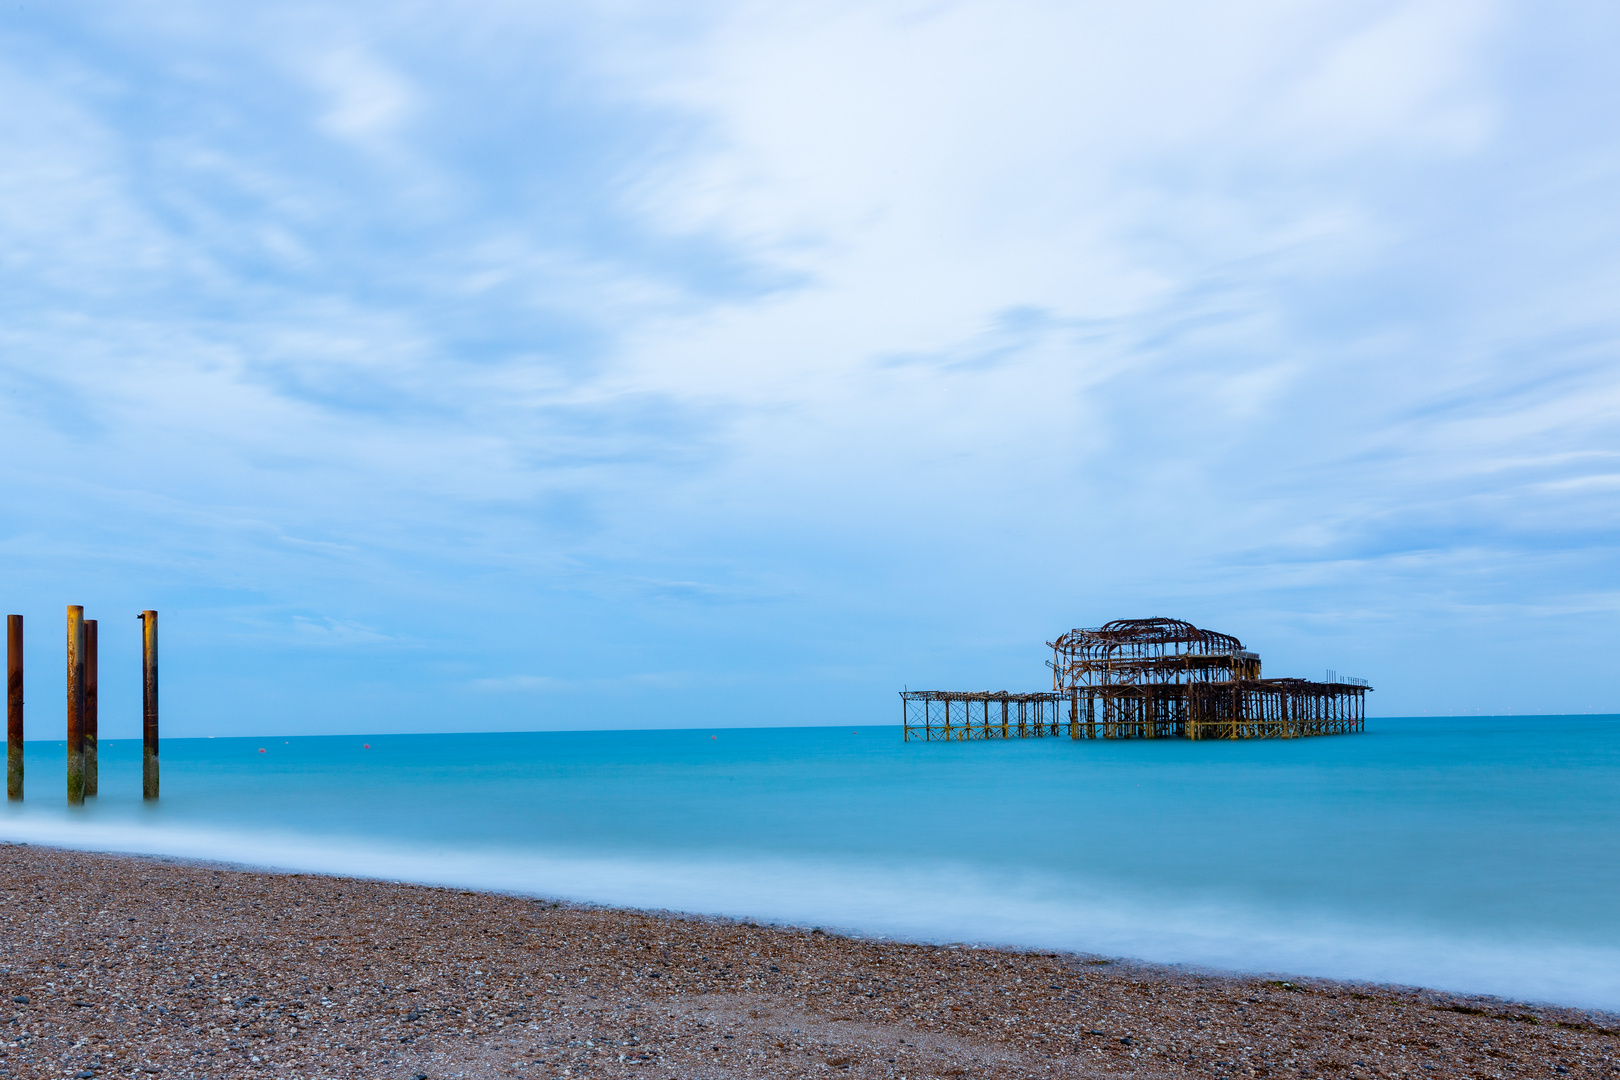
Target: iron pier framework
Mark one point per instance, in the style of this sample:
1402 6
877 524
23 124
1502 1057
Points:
1145 679
951 714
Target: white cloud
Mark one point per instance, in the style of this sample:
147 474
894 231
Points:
366 98
809 337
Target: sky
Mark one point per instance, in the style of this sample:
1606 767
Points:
500 365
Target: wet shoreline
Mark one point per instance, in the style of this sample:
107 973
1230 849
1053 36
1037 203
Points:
148 966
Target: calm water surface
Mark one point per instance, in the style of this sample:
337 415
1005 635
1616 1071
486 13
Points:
1476 854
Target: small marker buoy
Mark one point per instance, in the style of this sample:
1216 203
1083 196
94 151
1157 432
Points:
261 749
714 736
367 746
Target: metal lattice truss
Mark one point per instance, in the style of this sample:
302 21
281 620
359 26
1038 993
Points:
950 714
1237 709
1146 679
1148 652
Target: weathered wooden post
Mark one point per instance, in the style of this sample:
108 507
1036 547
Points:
90 706
149 704
14 707
75 704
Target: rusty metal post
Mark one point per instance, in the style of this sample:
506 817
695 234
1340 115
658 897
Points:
75 704
149 704
14 706
90 706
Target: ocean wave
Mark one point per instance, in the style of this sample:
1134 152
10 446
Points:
925 901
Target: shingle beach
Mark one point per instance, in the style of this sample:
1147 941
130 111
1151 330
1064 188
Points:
121 966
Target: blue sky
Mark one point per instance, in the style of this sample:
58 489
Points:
620 364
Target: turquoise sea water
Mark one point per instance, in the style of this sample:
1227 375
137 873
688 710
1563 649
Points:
1476 854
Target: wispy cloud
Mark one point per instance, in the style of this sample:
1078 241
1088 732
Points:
792 344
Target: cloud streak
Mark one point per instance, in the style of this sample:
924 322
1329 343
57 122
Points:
823 347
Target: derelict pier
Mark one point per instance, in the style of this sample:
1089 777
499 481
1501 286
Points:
1145 679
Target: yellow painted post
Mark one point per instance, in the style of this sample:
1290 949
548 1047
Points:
75 704
149 704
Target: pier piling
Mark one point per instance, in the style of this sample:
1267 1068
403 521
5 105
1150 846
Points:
91 706
1150 679
14 706
149 704
75 704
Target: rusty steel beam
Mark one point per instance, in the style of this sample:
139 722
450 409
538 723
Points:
149 704
75 704
14 706
1155 678
90 706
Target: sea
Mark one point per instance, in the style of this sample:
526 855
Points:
1473 854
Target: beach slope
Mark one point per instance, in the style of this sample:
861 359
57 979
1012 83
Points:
122 966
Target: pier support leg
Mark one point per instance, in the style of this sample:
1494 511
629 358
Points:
149 704
91 706
75 704
14 706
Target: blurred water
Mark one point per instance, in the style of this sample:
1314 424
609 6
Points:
1477 854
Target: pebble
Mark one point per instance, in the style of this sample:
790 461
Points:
121 966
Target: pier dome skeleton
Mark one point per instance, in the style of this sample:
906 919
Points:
1146 651
1146 678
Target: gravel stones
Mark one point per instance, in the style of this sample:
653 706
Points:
225 972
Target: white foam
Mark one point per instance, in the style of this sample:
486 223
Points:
923 901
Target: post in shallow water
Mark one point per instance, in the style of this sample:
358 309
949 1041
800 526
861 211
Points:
14 707
90 706
149 704
75 704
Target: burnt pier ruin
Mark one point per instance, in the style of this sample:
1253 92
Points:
1145 679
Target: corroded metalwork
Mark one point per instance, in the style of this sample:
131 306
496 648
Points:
948 714
1147 679
92 705
75 704
14 706
1148 652
149 704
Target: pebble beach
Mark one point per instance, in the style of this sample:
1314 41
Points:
122 966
